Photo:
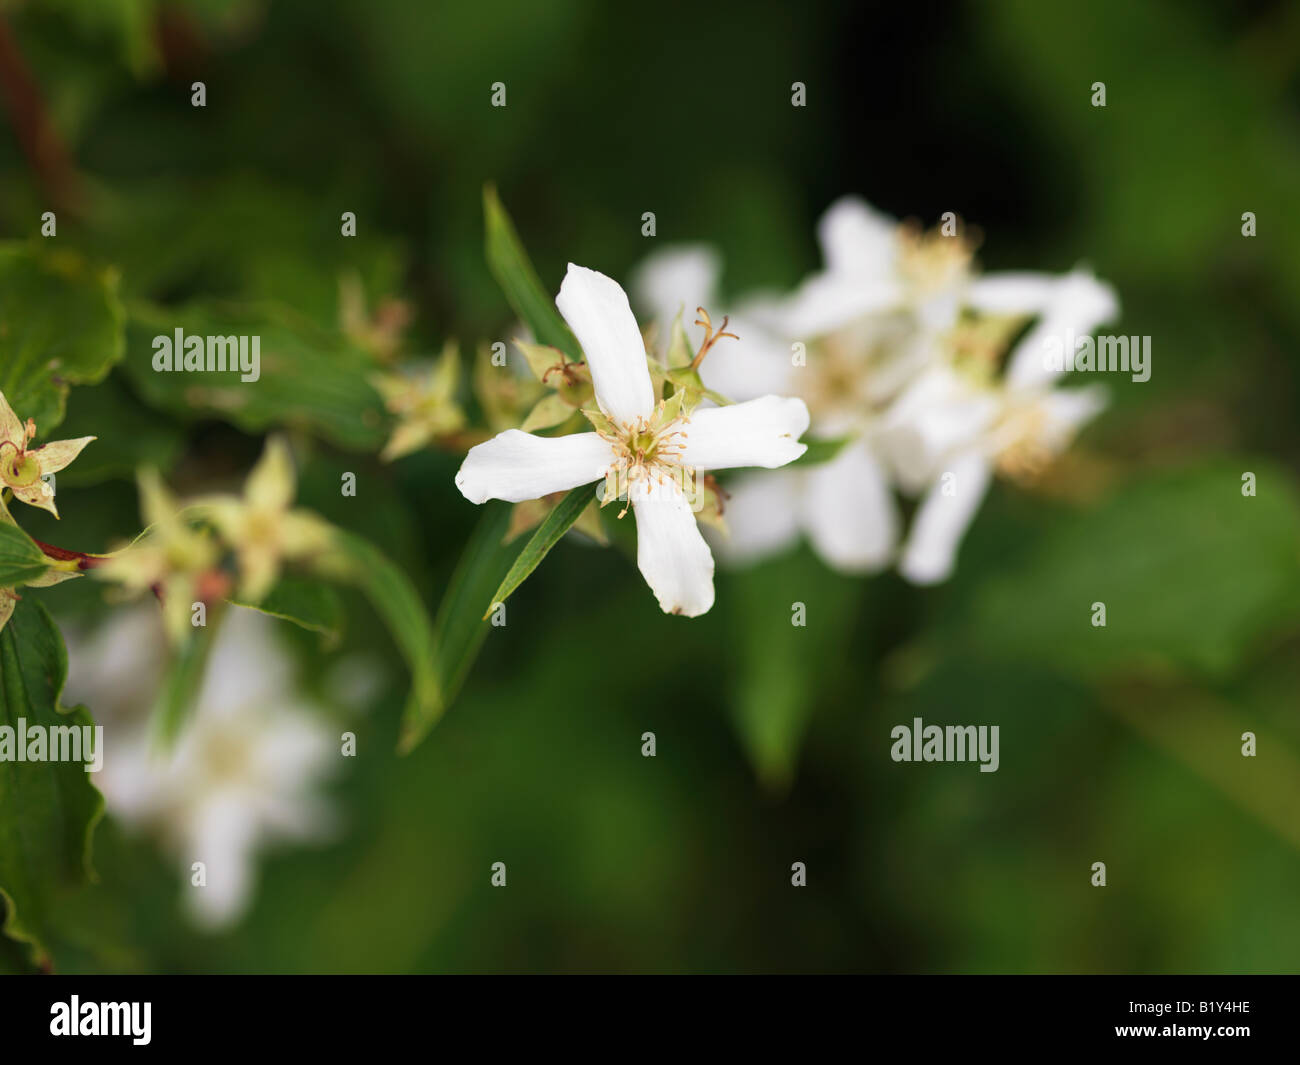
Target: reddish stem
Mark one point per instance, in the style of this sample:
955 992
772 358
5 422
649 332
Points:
84 561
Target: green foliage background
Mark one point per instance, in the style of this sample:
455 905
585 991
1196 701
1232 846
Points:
1120 745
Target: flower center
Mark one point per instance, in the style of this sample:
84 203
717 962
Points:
647 452
18 468
930 260
978 345
226 756
262 526
854 372
1023 453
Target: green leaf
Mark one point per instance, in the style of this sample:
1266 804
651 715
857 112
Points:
60 325
125 30
50 808
20 559
308 377
308 604
460 627
1193 575
518 279
550 411
780 666
396 601
822 450
548 534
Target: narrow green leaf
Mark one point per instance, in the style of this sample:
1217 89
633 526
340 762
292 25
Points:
60 325
396 601
460 628
20 559
791 624
50 808
514 272
180 687
548 534
308 604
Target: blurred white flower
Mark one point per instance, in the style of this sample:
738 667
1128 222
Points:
116 669
953 433
647 451
243 774
674 280
873 343
875 264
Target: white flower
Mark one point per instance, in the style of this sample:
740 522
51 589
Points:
650 449
874 264
954 433
244 772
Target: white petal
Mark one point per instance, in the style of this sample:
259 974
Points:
515 466
247 667
939 413
1011 293
763 432
828 302
294 751
132 783
860 249
857 239
942 520
676 279
670 552
938 311
597 311
222 834
1079 303
851 517
762 515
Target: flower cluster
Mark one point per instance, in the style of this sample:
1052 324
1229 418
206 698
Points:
180 560
923 379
